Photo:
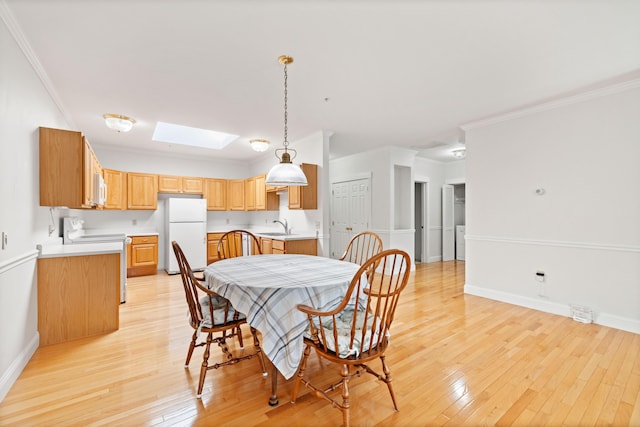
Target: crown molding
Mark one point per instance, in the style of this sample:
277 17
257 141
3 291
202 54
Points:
558 102
16 31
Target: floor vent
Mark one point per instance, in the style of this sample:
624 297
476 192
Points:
581 313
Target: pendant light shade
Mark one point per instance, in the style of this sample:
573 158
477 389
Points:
285 173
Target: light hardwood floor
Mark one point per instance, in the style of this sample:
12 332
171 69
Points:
456 360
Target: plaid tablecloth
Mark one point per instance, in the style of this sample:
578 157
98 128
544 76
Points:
267 288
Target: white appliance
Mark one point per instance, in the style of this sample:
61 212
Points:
73 232
460 230
99 196
186 223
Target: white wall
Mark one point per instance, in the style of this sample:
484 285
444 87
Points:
24 106
584 231
381 165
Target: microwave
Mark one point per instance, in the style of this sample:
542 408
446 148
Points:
99 194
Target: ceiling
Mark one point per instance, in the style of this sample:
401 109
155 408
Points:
375 73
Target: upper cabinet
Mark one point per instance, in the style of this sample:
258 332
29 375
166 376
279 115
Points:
215 191
250 194
180 184
142 191
116 182
235 194
305 197
265 201
68 168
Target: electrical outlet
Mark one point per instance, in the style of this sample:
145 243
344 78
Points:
134 222
51 230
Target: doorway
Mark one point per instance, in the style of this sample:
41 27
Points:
421 221
453 221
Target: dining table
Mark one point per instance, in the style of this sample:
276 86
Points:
268 288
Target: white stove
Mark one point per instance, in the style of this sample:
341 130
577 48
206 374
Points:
73 232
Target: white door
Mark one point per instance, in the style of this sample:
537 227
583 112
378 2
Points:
448 231
192 238
350 212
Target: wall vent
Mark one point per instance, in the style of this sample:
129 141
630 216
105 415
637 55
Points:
581 313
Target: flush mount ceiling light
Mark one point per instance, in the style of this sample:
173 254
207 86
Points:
259 144
286 173
118 122
459 153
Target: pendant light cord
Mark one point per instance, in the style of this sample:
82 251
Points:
285 143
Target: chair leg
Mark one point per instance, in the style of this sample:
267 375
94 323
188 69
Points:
300 375
239 335
192 345
256 344
387 379
345 395
205 365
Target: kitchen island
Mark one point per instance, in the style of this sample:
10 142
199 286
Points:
78 290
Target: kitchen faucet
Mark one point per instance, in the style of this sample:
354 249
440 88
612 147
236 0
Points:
284 224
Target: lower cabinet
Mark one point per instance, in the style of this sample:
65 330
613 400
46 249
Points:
212 246
276 246
78 296
142 256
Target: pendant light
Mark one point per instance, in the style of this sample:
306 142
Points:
286 173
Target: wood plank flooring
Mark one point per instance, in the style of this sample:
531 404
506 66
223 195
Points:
456 360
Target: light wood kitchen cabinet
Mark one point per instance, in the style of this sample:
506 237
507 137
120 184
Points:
212 246
256 196
215 191
78 296
250 194
116 182
235 194
169 184
192 185
265 200
277 246
266 245
180 184
305 197
91 168
67 165
142 256
142 191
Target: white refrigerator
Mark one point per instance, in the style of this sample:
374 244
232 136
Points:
186 223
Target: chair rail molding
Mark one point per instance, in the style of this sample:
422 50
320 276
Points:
18 260
555 243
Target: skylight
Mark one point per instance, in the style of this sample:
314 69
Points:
185 135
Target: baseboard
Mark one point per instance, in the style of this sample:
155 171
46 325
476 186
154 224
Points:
603 319
435 258
17 366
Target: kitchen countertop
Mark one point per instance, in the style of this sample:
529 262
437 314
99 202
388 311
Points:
80 249
292 236
150 233
268 233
